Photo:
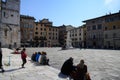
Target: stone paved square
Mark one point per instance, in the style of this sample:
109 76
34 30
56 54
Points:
102 64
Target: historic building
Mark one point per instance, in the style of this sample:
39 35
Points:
112 31
63 33
94 34
45 34
76 37
10 23
26 28
104 31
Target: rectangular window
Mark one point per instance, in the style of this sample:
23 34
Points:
11 15
80 34
36 32
105 28
36 28
4 14
114 35
41 33
114 27
88 28
49 29
75 34
94 27
5 32
106 36
44 29
99 26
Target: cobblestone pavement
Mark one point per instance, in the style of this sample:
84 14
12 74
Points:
32 71
102 64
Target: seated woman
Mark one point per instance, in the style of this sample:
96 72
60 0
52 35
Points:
44 60
81 72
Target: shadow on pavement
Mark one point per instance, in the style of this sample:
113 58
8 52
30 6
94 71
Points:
62 75
13 69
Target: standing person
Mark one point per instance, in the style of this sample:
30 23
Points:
23 57
1 67
67 67
81 71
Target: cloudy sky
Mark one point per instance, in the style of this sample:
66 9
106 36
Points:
68 12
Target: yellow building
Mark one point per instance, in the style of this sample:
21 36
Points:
45 34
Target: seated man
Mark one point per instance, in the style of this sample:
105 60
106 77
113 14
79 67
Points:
67 67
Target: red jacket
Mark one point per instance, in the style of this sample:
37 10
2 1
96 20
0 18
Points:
23 55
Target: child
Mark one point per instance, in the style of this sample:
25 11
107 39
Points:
23 57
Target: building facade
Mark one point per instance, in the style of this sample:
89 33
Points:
94 34
76 37
112 31
26 28
103 32
63 34
45 34
10 23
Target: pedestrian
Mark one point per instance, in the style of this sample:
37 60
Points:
23 57
81 71
17 50
67 67
1 67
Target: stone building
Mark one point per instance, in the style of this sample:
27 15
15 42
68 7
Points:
95 33
63 34
104 31
10 23
76 37
112 31
26 28
45 34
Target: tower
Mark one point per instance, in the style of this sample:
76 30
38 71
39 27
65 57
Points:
10 23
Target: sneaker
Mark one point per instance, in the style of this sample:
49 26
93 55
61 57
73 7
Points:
23 67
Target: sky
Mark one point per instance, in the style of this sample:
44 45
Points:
68 12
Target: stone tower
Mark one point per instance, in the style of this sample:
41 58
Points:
10 23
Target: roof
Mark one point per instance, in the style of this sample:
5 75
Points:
108 15
26 17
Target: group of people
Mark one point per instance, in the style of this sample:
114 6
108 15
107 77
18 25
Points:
78 72
40 57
